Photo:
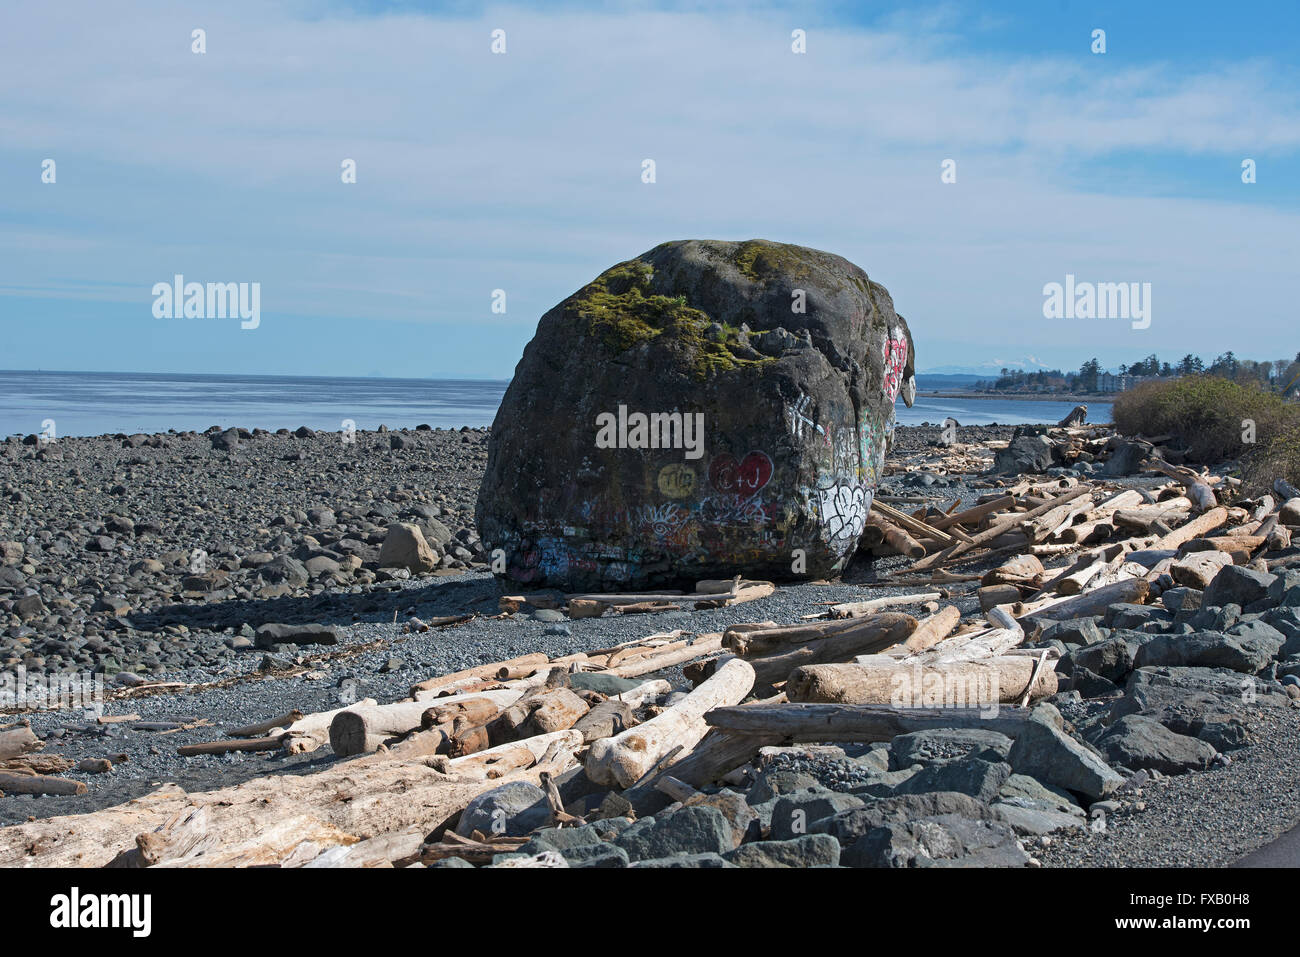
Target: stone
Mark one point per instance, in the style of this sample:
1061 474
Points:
849 826
1053 757
742 818
1074 631
597 855
942 841
1177 599
1286 620
1247 651
1126 457
605 684
512 809
1141 743
688 830
708 859
30 606
980 779
284 569
773 783
11 553
947 744
1025 453
1239 586
810 850
1126 615
1110 659
795 408
272 634
404 547
1027 791
792 814
1031 820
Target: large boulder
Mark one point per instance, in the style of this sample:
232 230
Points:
704 410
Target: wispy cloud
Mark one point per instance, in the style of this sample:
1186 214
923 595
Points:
521 172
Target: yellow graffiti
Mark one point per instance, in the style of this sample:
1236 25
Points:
677 480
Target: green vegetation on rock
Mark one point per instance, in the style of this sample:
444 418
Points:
620 309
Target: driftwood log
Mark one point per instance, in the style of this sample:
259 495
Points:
623 759
884 680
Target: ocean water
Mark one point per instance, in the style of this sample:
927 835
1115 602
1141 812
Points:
95 403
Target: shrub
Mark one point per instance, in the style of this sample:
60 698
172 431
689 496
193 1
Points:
1207 416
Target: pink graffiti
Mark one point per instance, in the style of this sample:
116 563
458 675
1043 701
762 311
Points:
895 360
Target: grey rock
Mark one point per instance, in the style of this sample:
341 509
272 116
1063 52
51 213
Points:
810 850
1055 758
688 830
1238 585
947 744
1142 744
512 809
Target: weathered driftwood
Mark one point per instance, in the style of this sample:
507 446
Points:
262 727
895 537
226 746
865 723
931 631
312 731
1095 602
883 680
361 730
857 609
624 758
997 529
705 644
479 671
18 741
873 634
14 783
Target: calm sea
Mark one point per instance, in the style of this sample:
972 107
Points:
94 403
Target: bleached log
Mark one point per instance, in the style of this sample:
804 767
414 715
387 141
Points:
857 609
931 631
624 758
361 730
705 644
885 680
1096 601
18 741
14 783
772 665
478 671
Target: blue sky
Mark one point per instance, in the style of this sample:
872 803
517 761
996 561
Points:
522 172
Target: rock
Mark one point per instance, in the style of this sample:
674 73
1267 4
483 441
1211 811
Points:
849 826
792 814
980 779
1286 620
1238 586
1027 791
794 413
1126 457
688 830
1142 744
11 553
811 850
1110 659
597 855
706 860
1247 650
1198 569
1025 453
404 547
1074 631
1178 599
270 635
605 684
772 783
226 441
947 744
513 810
1036 820
30 606
284 570
742 818
1055 758
942 841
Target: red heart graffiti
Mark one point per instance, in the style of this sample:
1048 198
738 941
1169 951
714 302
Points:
745 477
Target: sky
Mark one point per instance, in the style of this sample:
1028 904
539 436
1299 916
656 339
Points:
522 171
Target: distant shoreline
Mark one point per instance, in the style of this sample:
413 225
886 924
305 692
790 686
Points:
1019 396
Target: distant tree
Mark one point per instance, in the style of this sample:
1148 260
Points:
1166 370
1190 365
1089 373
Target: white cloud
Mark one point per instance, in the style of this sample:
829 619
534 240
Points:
522 171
